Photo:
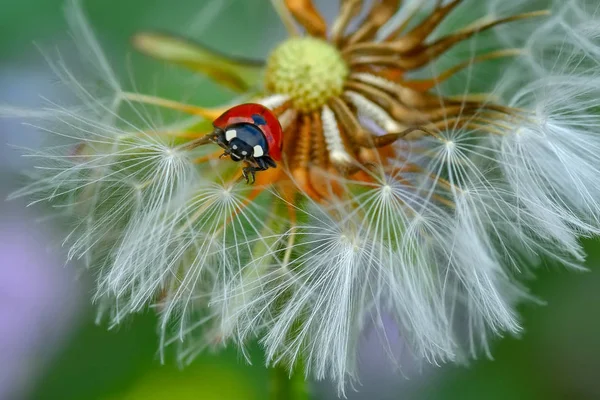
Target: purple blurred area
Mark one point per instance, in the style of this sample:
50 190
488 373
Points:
39 295
37 301
387 369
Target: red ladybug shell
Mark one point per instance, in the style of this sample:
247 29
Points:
246 113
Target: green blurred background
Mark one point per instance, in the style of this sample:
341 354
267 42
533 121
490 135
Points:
558 356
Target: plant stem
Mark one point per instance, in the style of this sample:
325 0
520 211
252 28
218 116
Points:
286 387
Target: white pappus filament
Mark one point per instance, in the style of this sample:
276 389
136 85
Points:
273 101
372 111
333 138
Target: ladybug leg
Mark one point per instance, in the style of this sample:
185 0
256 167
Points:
262 164
267 162
249 174
226 153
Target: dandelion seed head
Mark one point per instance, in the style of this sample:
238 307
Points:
408 186
308 70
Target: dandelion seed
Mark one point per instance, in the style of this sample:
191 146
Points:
401 190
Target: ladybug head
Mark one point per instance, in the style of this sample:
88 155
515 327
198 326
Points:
240 150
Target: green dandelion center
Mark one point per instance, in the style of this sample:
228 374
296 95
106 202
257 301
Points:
310 71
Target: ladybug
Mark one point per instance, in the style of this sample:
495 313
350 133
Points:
251 133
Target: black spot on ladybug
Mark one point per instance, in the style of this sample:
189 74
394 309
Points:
258 119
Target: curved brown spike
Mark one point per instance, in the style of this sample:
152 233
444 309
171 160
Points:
499 112
352 126
369 157
483 98
301 160
410 116
278 111
492 55
407 20
360 136
396 110
380 13
406 62
353 148
467 123
415 99
290 136
386 61
307 15
449 111
319 146
386 140
406 95
348 10
418 34
302 146
423 56
412 39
